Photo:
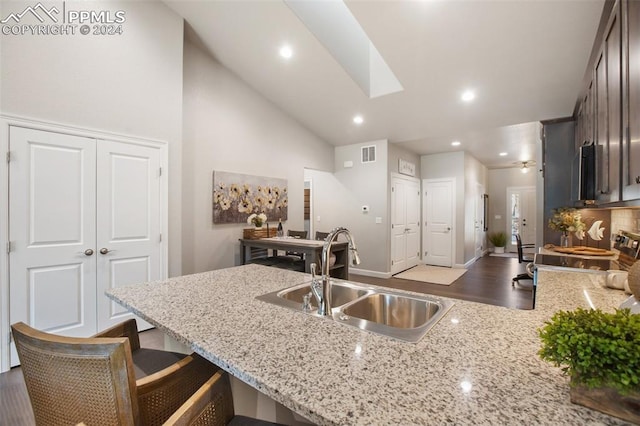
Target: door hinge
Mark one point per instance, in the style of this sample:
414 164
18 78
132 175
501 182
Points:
392 263
160 237
10 337
160 172
8 247
8 156
392 189
425 253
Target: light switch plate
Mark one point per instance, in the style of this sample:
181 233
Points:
378 219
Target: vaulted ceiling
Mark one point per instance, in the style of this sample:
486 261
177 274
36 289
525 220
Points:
523 59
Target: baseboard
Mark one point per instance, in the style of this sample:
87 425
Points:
368 273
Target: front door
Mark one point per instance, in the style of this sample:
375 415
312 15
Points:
405 221
521 202
438 222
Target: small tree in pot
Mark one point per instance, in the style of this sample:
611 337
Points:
600 352
499 241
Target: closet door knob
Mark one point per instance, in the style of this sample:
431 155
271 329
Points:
104 250
88 252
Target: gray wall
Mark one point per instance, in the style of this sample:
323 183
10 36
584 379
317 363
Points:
230 127
558 156
129 84
366 184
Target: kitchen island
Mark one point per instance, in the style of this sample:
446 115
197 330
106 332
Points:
478 365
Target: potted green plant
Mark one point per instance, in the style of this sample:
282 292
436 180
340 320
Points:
600 352
499 241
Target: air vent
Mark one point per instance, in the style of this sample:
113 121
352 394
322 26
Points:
369 154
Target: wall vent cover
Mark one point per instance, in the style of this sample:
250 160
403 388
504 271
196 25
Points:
369 154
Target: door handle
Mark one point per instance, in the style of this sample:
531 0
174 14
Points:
104 250
88 252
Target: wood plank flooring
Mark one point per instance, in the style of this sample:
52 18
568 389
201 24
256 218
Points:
487 281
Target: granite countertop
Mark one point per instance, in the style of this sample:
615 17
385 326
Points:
478 365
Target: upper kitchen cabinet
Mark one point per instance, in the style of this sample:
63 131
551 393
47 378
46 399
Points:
631 111
607 113
608 110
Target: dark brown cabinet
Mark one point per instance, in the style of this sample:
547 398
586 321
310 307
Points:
608 109
608 114
631 119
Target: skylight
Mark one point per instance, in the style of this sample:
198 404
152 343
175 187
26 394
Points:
337 29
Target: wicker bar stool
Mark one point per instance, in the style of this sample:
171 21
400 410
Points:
73 380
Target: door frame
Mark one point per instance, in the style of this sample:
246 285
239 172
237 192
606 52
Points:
454 217
394 175
6 121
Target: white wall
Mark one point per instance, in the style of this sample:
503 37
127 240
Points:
499 180
230 127
129 84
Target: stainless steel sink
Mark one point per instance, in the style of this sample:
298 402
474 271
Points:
402 316
340 293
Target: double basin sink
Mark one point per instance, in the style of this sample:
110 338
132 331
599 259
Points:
394 314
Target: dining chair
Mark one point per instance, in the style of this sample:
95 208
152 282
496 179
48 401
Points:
321 235
73 380
296 234
521 259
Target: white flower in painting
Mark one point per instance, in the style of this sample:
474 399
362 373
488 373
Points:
246 190
271 203
234 191
217 196
245 206
225 203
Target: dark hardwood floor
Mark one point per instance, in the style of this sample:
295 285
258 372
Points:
487 281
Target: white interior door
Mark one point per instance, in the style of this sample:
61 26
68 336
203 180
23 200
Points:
438 222
52 261
405 221
521 205
128 223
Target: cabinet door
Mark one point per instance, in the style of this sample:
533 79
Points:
613 43
631 175
608 105
52 263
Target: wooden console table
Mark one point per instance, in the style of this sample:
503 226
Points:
312 250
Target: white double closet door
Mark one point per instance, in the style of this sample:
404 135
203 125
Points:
84 216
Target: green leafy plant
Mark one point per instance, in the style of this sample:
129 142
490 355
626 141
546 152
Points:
498 239
596 349
566 219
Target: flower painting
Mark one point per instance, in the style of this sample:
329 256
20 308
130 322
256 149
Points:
237 196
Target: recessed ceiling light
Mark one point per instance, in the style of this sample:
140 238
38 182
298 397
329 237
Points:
455 143
358 119
286 52
468 95
503 154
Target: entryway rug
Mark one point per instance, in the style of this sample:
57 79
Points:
431 274
503 254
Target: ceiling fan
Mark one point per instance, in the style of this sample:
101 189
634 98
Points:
524 165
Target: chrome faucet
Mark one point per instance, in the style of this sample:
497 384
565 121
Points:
322 290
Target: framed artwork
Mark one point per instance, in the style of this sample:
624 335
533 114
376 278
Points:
406 167
236 196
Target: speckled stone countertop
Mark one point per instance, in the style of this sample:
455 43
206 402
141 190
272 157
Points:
478 365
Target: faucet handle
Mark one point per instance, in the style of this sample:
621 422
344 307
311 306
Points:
314 270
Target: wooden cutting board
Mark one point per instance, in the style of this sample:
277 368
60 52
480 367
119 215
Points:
581 250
